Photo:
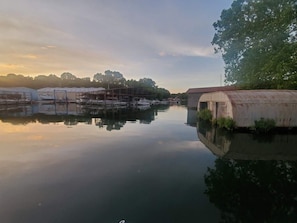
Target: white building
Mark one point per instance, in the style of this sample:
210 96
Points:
65 94
15 95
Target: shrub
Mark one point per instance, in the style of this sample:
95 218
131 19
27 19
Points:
230 123
264 125
221 122
226 123
205 115
214 122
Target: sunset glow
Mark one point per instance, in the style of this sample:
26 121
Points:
166 41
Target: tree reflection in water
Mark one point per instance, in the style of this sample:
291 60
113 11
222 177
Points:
253 191
110 117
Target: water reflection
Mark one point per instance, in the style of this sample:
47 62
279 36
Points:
246 146
73 114
192 117
254 178
253 191
143 173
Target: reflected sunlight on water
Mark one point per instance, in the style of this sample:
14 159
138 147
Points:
141 166
138 166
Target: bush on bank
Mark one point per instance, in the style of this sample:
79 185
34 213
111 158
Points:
225 123
205 115
222 122
264 125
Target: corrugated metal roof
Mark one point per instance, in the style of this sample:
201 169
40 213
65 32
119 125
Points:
16 89
262 96
210 89
49 89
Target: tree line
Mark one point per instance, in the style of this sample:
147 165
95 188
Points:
258 42
108 80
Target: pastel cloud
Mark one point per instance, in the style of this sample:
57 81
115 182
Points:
138 38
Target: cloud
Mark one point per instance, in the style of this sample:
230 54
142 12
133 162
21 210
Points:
180 50
29 56
181 145
138 38
5 67
48 47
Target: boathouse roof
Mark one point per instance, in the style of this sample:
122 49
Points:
262 96
195 93
246 106
71 89
210 89
16 89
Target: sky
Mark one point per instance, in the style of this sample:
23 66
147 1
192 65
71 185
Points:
168 41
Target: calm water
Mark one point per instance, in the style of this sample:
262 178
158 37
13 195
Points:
63 163
140 166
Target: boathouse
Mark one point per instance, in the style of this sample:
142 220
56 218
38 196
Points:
57 94
246 106
17 95
195 93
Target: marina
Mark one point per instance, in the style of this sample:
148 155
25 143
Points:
81 96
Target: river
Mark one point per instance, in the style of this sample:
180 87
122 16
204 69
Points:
62 163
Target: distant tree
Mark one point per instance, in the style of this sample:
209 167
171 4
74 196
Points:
147 82
115 74
11 75
132 83
41 81
15 80
67 76
162 93
115 78
98 77
54 78
84 82
181 96
110 79
41 77
257 39
86 79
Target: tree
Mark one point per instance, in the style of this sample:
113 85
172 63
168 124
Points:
114 78
147 82
257 39
68 76
108 80
162 93
98 77
15 80
115 74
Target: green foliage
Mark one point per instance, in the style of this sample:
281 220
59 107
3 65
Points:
226 123
182 96
205 115
147 82
245 190
108 80
68 76
160 93
264 125
257 39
